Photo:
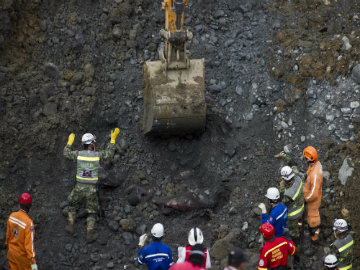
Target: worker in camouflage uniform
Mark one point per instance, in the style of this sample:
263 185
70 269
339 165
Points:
343 245
87 177
294 200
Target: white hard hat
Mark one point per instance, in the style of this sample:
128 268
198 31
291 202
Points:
273 193
88 138
287 173
330 261
157 230
195 236
340 225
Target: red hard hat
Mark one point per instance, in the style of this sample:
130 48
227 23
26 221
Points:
267 230
25 198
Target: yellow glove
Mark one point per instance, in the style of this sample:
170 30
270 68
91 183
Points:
71 139
114 134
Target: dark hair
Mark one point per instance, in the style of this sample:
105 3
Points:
236 257
197 255
155 239
25 207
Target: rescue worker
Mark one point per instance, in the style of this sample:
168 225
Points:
274 254
236 260
278 214
156 256
87 177
20 236
293 199
195 237
196 258
312 191
343 245
330 262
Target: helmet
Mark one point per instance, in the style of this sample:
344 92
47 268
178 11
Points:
310 153
267 230
330 261
88 138
195 236
340 225
25 198
273 194
287 173
157 230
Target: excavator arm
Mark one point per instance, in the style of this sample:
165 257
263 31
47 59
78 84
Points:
175 55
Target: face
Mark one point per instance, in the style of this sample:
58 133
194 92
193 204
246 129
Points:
241 266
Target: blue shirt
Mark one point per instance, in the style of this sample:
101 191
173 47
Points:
278 217
156 256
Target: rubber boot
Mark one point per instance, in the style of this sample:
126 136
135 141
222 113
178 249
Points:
315 236
91 235
71 220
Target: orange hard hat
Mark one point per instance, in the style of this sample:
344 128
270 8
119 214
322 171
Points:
310 153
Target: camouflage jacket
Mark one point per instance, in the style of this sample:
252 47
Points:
104 155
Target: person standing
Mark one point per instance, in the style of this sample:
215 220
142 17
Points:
20 236
275 252
195 237
343 245
313 191
156 256
293 199
278 214
195 260
236 260
87 177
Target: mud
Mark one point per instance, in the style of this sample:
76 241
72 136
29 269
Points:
75 66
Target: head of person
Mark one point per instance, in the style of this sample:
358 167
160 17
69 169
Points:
310 154
197 255
267 230
340 227
273 195
236 258
287 174
25 201
330 262
195 237
88 140
157 232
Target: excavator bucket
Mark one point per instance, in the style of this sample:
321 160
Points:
174 100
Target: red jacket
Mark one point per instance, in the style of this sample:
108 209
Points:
185 266
275 253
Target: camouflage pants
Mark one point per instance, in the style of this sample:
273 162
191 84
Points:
79 193
293 227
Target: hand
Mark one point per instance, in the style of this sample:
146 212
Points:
71 139
34 266
142 240
114 134
262 207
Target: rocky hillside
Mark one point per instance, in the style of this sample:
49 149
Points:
277 74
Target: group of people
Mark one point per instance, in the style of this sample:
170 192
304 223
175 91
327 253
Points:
158 256
281 229
283 226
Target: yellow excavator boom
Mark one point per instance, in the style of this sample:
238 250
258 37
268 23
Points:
174 87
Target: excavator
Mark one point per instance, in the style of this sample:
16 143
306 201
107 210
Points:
174 87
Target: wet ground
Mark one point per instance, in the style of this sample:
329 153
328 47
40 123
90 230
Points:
75 66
